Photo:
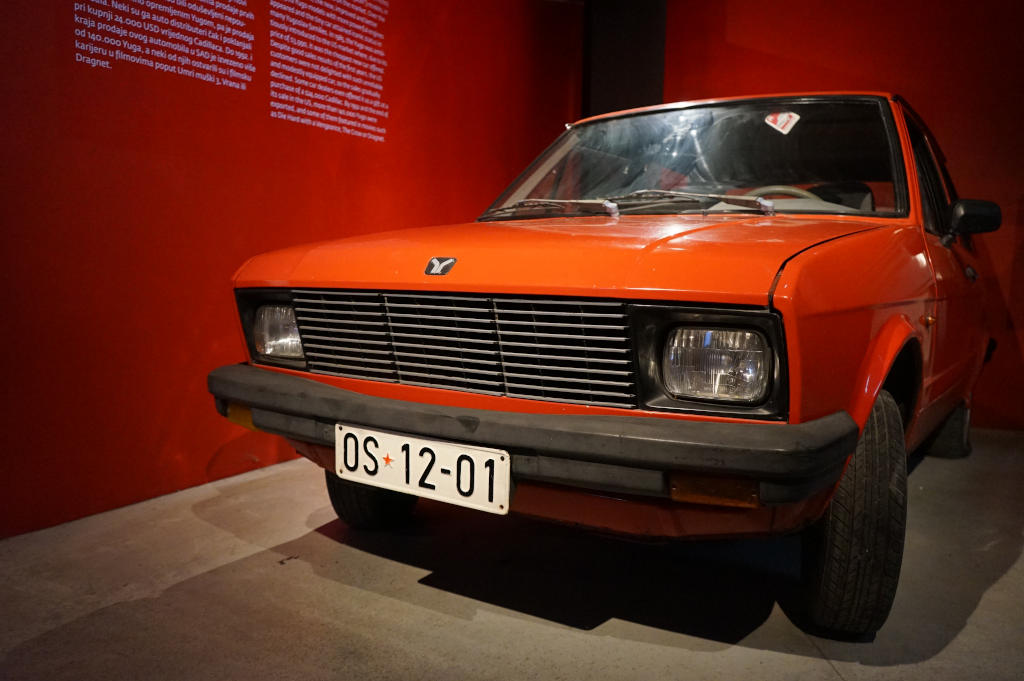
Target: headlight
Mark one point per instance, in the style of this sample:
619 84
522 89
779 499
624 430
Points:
716 364
275 333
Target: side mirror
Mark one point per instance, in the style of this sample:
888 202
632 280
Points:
970 216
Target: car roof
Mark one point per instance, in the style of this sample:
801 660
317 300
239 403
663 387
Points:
741 98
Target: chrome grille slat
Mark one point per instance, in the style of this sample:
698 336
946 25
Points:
561 335
321 320
445 367
372 360
600 360
548 313
559 350
550 301
587 370
405 334
354 374
444 348
564 347
451 359
602 327
440 318
349 366
444 308
405 325
337 302
582 381
356 313
345 348
453 378
562 390
358 331
350 340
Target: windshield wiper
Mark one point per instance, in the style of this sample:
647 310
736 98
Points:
610 205
595 206
766 206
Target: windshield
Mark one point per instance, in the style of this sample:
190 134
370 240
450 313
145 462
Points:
797 156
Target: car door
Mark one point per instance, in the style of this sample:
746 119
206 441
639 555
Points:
957 332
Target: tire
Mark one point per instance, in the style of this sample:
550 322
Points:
363 507
952 440
852 555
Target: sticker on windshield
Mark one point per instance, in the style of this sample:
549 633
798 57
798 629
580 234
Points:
783 121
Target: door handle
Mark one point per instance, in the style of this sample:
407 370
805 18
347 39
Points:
971 273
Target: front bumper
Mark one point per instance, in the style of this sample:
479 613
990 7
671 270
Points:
619 454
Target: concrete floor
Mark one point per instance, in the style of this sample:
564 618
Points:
253 577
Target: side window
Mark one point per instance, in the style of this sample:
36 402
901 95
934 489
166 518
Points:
933 195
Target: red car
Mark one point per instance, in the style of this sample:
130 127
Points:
705 319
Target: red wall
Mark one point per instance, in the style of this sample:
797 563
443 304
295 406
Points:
959 65
130 197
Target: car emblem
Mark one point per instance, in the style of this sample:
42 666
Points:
440 265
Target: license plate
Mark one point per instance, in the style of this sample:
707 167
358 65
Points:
465 475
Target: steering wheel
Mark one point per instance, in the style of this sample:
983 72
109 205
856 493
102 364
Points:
783 189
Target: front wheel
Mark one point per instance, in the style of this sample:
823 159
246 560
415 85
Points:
852 555
363 507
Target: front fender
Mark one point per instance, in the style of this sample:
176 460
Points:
848 307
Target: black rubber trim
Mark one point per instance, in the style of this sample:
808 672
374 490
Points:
601 477
792 461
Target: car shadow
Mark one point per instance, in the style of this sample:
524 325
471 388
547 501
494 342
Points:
719 591
959 544
280 602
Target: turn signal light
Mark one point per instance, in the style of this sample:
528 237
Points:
695 489
241 415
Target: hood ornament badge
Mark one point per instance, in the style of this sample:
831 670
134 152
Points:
438 266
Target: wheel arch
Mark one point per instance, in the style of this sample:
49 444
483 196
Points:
903 381
893 363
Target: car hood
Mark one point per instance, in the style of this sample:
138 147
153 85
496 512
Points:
717 259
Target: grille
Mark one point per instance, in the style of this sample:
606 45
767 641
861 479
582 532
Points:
558 350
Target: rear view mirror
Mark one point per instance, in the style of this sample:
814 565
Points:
970 216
